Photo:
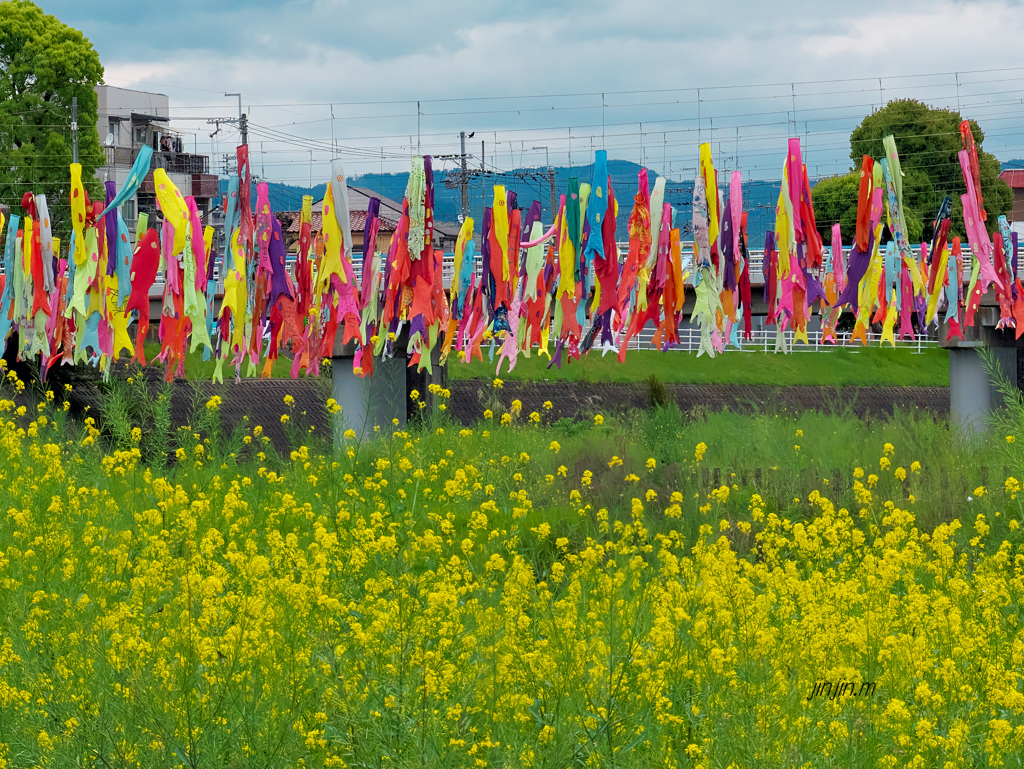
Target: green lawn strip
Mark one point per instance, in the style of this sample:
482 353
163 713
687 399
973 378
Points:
869 366
841 366
198 369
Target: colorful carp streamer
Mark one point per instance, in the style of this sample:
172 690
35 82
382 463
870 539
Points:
527 288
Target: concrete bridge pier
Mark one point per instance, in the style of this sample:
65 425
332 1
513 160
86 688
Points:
973 394
368 402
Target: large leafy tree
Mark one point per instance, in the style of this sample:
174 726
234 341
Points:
832 198
928 141
43 65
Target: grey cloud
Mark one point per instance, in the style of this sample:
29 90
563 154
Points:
346 51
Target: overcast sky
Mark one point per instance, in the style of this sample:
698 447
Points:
531 74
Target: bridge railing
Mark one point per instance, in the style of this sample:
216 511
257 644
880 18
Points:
764 340
756 264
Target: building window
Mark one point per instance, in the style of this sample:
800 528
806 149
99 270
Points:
128 210
140 134
115 131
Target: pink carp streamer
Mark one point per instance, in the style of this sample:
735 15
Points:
519 288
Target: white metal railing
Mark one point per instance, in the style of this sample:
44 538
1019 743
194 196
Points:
764 340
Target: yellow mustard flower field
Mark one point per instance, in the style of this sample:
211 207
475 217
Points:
666 591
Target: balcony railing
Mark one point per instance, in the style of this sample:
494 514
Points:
181 162
197 185
119 156
172 162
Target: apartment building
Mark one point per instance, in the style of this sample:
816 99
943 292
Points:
128 120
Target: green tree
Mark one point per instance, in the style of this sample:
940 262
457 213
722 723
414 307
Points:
43 65
928 141
831 198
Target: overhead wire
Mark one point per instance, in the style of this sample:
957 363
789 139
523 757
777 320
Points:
756 130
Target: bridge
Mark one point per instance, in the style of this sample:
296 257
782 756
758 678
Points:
764 337
971 393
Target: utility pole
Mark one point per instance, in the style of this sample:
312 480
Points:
418 113
698 117
74 129
551 181
602 121
464 183
243 123
792 90
239 104
483 180
551 184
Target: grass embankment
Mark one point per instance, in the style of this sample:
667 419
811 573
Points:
841 366
869 366
623 593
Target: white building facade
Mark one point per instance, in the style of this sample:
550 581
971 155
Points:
128 120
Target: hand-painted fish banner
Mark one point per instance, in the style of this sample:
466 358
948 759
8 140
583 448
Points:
519 287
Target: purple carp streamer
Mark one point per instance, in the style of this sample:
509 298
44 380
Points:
519 287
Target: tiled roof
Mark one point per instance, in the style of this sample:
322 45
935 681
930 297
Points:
1014 177
356 220
358 200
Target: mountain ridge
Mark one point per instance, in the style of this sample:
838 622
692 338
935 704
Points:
531 184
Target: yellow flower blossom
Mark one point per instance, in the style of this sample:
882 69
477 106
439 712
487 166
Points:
459 586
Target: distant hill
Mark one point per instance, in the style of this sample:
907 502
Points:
531 184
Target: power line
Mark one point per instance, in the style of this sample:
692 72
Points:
683 89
